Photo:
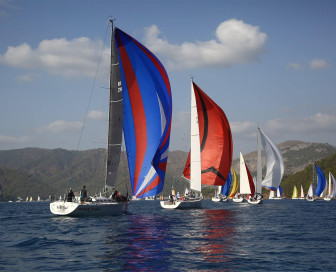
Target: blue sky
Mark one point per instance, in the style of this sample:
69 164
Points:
268 62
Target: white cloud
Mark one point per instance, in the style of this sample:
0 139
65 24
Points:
25 78
13 140
294 66
96 115
236 42
242 127
318 64
317 123
74 58
61 126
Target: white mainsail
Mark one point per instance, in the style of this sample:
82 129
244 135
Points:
274 162
195 150
302 192
244 181
310 191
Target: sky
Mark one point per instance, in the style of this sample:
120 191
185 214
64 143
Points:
264 62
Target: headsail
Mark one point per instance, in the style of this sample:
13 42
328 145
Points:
295 192
226 187
321 181
333 194
302 192
147 115
215 141
279 191
235 184
274 162
246 180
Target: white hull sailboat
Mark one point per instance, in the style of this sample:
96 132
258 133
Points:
247 186
310 194
275 166
131 107
210 155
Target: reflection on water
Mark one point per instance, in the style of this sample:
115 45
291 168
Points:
140 243
158 242
218 232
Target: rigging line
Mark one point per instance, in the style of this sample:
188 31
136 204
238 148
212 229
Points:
94 83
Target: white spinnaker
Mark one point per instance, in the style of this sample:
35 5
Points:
274 162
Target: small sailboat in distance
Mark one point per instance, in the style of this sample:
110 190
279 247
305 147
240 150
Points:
295 193
140 106
331 184
210 155
302 196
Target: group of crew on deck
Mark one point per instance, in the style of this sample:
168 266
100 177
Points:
83 197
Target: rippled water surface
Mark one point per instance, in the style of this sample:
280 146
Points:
279 235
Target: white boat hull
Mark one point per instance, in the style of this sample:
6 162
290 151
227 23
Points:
238 200
182 204
310 199
327 198
88 208
217 199
254 201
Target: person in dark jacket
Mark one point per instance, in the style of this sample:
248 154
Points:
70 195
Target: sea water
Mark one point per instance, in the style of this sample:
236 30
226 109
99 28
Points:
278 235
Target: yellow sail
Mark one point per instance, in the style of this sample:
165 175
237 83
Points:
235 184
295 193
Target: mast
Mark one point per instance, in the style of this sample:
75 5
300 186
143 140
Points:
195 150
259 168
115 116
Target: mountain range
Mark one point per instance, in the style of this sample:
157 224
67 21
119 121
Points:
36 171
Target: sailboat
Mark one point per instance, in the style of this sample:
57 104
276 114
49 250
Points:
221 194
141 107
331 192
302 196
279 193
247 186
275 166
295 193
210 155
271 195
310 193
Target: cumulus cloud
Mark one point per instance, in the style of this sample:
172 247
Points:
4 139
235 42
318 64
96 115
70 58
61 126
